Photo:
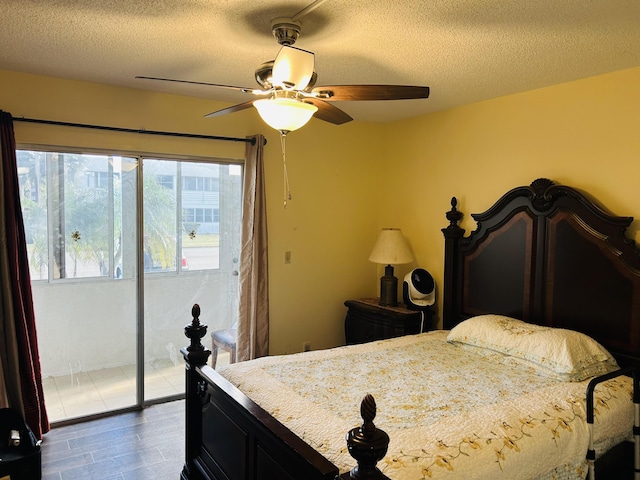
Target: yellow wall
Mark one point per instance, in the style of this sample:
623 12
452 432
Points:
583 134
329 227
349 181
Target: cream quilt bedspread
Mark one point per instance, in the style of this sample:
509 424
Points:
450 413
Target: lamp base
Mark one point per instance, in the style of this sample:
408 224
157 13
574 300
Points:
388 288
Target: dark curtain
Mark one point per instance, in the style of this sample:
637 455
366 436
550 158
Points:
19 346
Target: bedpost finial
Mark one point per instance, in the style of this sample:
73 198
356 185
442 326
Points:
454 216
368 412
195 331
367 444
195 353
195 313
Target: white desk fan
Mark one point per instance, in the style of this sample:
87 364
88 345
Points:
419 289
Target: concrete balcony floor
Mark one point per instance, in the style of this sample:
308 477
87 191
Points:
88 393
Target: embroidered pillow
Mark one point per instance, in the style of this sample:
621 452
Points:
564 354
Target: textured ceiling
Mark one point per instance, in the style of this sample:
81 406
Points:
465 50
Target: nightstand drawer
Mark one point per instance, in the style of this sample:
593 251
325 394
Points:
367 321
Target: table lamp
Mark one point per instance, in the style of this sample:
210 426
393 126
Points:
391 248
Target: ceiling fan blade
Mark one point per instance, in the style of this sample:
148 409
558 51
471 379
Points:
370 92
327 112
232 87
293 68
235 108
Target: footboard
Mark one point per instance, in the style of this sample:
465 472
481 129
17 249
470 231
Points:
230 437
240 440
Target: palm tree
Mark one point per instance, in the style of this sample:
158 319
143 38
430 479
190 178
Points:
86 226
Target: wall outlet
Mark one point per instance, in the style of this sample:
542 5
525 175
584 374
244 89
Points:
287 256
306 346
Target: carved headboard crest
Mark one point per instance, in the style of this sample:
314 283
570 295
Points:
541 198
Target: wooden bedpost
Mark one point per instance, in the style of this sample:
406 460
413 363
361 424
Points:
452 236
367 444
195 355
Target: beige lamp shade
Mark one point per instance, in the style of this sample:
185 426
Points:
391 248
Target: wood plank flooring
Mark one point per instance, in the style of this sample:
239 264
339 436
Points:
143 445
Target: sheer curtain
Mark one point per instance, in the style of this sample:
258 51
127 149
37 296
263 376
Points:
19 358
253 317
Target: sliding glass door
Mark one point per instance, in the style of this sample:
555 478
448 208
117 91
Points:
191 250
119 250
80 227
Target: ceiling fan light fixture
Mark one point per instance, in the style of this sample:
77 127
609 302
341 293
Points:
285 114
293 68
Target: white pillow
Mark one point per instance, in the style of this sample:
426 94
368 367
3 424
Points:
564 354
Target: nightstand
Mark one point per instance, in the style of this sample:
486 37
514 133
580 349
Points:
367 321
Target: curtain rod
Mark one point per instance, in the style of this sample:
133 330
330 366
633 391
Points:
252 141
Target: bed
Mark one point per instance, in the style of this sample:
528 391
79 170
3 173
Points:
544 259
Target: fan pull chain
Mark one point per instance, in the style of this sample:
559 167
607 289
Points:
287 190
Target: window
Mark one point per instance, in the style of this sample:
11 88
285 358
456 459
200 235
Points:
190 183
72 213
165 181
75 222
97 180
202 215
200 184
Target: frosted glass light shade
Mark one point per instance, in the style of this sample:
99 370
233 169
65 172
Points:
292 68
285 114
391 248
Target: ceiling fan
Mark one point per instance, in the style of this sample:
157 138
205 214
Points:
288 93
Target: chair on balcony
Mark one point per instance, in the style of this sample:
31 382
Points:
226 340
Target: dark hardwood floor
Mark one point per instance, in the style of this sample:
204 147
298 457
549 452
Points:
141 445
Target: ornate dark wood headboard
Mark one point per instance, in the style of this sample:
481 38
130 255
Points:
549 255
